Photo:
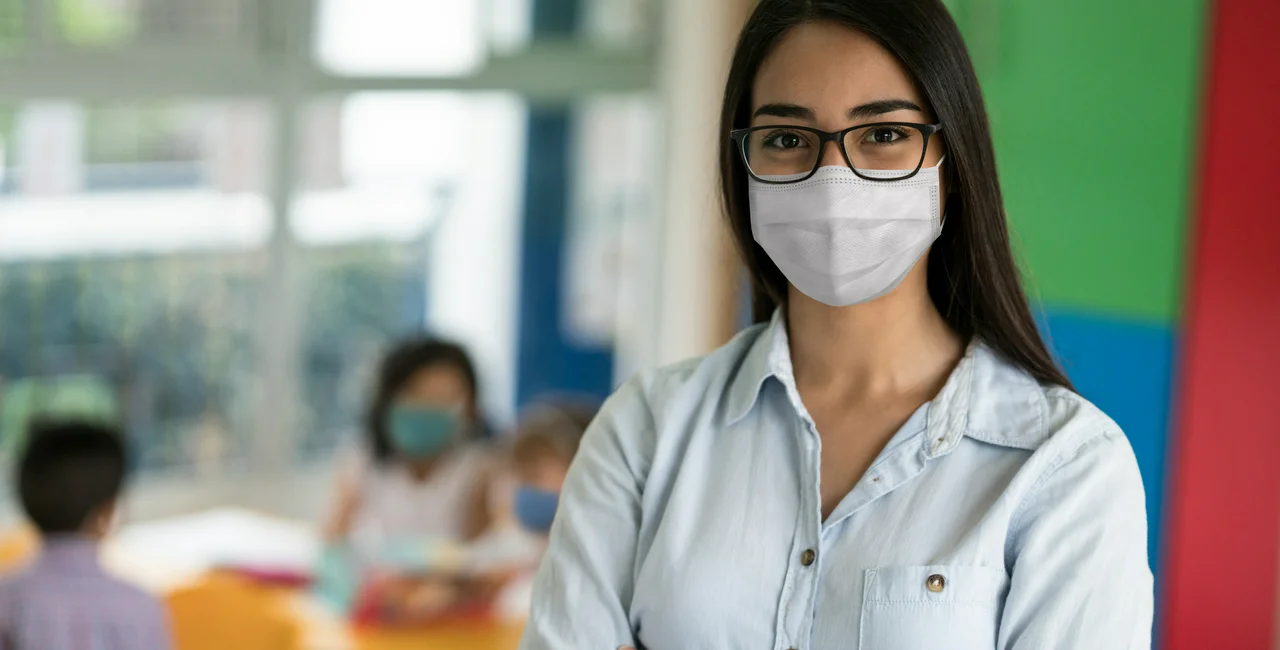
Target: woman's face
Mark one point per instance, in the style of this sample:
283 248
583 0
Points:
829 77
437 387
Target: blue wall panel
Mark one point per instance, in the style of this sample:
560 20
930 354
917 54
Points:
548 362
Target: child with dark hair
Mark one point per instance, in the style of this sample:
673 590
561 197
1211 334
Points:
422 470
69 479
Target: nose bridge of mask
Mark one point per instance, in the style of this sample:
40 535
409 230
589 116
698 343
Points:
836 193
892 173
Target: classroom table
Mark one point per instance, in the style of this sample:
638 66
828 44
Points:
322 631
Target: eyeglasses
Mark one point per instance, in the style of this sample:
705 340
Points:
790 154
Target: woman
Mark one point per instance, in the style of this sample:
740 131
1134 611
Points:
892 461
420 473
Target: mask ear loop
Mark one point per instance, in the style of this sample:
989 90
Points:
943 222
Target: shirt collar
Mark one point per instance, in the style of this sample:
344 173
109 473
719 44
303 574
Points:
68 552
985 398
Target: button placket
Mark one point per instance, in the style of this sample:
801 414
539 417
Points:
804 596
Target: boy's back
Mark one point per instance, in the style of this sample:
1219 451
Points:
69 478
64 601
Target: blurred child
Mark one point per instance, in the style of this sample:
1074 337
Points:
546 441
416 490
69 479
545 444
419 472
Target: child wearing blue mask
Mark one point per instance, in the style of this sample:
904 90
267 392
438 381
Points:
421 472
545 443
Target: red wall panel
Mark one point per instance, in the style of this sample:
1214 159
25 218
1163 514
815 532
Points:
1221 572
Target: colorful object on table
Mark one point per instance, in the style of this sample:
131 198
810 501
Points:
423 601
337 579
536 509
343 573
437 555
271 576
422 431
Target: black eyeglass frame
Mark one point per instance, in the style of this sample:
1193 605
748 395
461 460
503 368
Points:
739 136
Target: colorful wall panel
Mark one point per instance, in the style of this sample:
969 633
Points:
1093 104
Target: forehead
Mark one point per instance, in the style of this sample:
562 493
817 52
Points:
831 69
439 381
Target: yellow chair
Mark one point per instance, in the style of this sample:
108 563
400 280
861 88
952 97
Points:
224 611
17 546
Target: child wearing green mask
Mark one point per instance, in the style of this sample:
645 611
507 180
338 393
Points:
421 472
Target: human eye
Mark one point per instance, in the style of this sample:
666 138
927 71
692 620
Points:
781 140
885 135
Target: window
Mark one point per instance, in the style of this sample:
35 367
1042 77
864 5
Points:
395 37
131 243
407 219
243 202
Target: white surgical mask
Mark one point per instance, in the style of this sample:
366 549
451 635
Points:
841 239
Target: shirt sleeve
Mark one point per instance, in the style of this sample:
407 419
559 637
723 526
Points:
1080 578
582 593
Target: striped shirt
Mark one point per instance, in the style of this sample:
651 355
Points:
65 601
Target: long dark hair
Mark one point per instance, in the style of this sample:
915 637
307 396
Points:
973 280
399 366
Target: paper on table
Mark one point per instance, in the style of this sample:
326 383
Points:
163 554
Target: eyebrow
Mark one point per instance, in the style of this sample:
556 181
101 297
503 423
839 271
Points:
882 106
870 109
792 111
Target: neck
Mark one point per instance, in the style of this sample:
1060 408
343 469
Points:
72 539
421 469
895 344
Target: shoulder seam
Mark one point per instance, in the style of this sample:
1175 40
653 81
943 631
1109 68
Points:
1062 460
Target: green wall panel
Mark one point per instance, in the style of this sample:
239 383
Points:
1094 105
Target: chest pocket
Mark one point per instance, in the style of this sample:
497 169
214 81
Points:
918 607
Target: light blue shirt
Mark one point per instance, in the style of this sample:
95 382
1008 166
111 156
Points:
1004 514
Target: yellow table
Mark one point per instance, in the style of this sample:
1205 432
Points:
496 637
321 630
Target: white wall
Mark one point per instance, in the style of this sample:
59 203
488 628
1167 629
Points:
683 313
475 259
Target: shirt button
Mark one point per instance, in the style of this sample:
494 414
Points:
935 583
807 557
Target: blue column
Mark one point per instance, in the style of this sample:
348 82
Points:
548 361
